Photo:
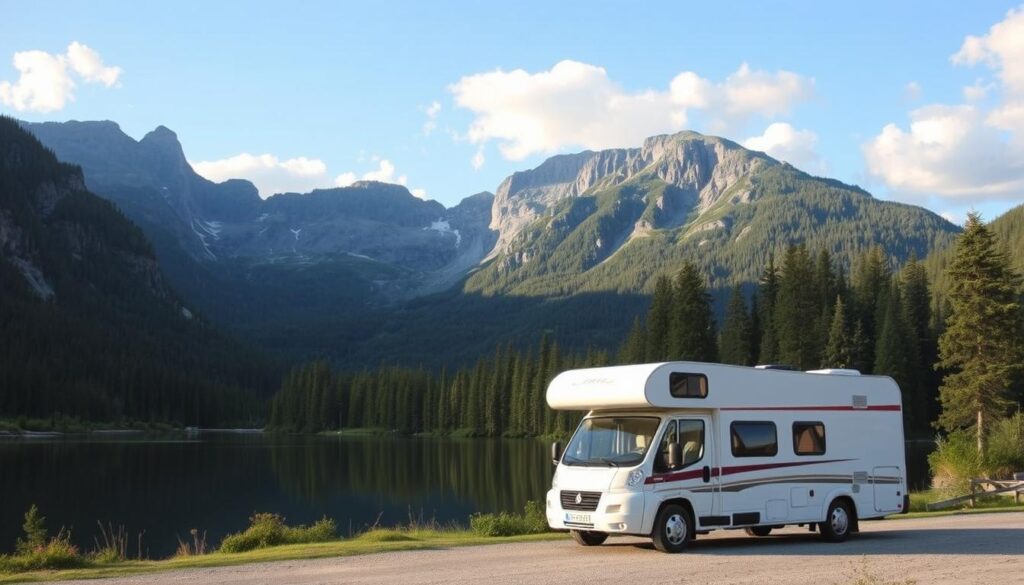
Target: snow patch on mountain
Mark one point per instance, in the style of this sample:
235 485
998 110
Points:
444 227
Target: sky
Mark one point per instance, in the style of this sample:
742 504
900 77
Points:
920 102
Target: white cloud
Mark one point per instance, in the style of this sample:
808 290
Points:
431 111
344 179
478 159
1002 49
784 142
977 91
384 173
87 63
948 151
45 82
577 105
912 91
966 152
952 217
269 173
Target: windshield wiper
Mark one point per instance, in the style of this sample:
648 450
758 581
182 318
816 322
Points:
608 461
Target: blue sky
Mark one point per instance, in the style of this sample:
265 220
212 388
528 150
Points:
323 93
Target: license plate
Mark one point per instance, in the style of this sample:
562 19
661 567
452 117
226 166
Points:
578 518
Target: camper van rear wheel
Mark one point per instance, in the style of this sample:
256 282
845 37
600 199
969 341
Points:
838 522
588 537
672 529
759 531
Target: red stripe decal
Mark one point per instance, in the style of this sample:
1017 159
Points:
720 471
890 407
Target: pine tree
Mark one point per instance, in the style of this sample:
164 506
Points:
839 350
735 343
692 324
894 352
797 311
870 281
658 318
634 350
981 343
768 293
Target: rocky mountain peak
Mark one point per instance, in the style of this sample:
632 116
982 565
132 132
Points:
701 167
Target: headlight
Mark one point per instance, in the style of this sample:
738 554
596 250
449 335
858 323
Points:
635 478
554 480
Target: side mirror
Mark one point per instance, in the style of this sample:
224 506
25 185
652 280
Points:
675 456
556 452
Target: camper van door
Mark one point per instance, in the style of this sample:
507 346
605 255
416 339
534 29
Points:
692 479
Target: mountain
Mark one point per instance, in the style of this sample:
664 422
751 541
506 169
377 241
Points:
91 328
615 219
281 269
582 237
369 274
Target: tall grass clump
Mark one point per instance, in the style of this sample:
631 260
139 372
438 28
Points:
37 551
531 521
1004 451
955 462
266 530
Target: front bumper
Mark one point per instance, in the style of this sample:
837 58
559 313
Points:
621 513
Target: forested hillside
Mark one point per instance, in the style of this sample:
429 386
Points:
806 312
90 328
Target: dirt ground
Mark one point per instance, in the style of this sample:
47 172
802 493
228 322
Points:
981 548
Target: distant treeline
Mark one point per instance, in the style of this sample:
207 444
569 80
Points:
805 312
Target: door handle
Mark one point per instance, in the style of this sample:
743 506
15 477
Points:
707 473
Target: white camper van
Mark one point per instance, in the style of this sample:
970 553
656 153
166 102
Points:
677 449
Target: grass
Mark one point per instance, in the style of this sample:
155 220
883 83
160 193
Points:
309 543
373 541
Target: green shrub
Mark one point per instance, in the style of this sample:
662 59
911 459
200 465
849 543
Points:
1004 451
266 530
58 553
955 462
531 521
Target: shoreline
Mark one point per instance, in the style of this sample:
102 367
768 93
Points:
365 544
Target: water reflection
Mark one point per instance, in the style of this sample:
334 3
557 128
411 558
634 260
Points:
214 482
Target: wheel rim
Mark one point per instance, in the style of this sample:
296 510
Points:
675 529
840 520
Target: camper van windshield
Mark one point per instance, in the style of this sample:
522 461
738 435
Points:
611 441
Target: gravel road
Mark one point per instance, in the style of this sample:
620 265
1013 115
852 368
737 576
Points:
982 548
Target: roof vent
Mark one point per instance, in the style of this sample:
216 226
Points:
786 367
835 372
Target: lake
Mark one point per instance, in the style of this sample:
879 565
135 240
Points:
215 481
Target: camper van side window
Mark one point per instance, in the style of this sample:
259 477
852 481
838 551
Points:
682 385
809 438
754 439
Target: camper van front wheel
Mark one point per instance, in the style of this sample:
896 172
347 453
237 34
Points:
672 529
589 537
837 524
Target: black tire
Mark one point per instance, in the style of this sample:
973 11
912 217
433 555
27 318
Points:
758 530
839 522
673 529
588 537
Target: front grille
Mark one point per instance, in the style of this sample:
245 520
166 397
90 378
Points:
588 500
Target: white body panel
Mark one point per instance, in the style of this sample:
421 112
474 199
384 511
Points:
863 457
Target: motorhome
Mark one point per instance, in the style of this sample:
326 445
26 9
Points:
672 450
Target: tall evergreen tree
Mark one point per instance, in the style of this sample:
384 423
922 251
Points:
981 345
735 345
797 311
658 318
839 350
768 293
692 323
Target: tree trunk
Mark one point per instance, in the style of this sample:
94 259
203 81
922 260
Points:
981 432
